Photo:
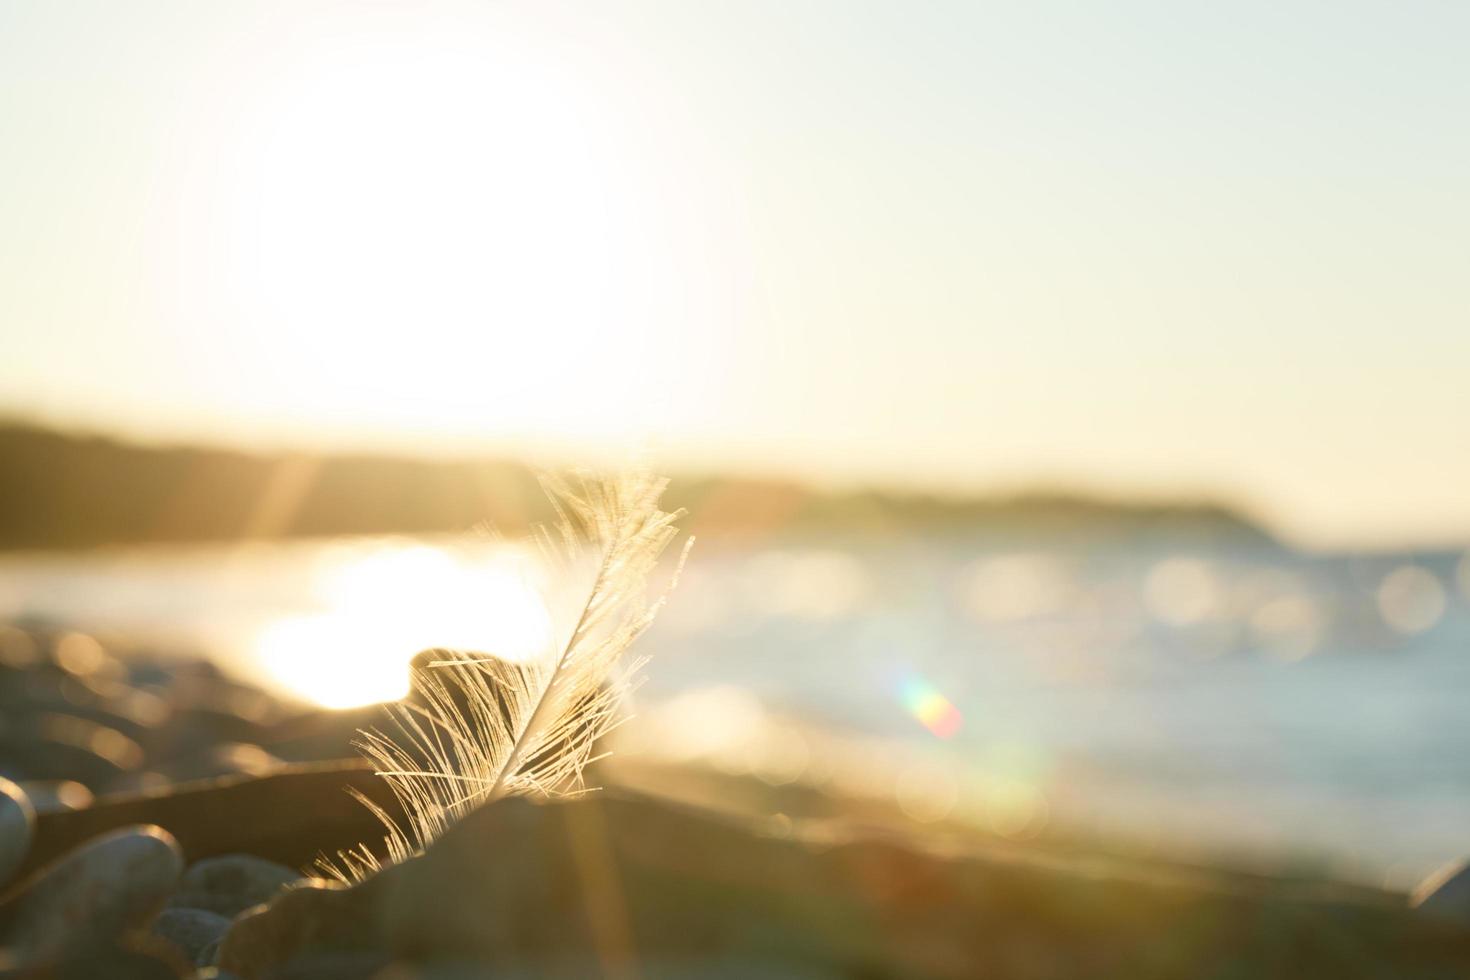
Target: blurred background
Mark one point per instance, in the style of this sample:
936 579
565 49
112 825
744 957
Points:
1070 399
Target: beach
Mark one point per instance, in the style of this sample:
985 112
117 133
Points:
178 813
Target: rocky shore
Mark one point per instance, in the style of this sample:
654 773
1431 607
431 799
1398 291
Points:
156 819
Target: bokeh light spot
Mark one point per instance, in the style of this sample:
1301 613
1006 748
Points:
1411 599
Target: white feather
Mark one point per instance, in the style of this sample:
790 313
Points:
489 727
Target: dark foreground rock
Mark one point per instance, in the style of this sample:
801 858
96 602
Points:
612 885
622 885
289 817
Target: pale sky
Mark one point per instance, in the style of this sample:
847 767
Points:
1144 246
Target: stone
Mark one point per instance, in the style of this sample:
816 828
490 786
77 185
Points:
92 896
291 817
315 916
49 796
317 736
55 745
143 782
195 932
17 823
618 881
224 759
219 714
230 884
1445 895
111 704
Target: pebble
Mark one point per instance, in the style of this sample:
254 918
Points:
315 915
55 745
92 896
140 783
224 759
232 883
195 932
1445 894
17 820
57 795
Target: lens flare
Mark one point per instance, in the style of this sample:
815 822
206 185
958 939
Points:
933 710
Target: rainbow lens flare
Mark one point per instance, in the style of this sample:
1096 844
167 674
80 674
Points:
933 710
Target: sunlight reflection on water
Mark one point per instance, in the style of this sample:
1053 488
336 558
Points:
332 623
378 607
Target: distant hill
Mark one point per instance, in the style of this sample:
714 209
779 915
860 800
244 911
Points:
61 490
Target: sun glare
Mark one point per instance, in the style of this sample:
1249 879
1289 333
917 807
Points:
379 608
416 231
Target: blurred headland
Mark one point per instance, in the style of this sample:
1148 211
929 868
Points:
66 490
